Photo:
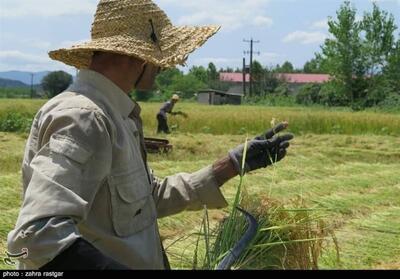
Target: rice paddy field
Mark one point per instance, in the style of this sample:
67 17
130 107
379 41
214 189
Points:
343 166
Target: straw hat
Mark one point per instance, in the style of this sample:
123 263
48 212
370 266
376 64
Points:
175 97
136 28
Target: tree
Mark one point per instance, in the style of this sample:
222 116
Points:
315 65
258 78
287 67
200 73
188 85
272 82
56 82
165 78
212 73
379 40
392 69
343 52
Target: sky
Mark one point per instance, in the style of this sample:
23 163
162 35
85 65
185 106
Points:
290 30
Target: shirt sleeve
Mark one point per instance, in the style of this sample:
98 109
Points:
68 170
188 192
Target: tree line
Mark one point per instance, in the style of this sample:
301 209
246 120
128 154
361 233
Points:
362 56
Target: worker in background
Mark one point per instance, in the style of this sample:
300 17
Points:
162 115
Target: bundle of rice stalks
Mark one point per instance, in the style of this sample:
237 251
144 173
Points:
287 238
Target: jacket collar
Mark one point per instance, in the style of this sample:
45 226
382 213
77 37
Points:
112 93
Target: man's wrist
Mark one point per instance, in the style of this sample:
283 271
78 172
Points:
224 170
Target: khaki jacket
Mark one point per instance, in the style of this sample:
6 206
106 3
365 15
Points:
85 175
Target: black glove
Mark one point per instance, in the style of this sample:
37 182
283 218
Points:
262 151
82 256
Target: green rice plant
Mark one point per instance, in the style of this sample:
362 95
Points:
285 238
238 120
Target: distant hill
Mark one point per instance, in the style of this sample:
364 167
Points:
9 83
24 77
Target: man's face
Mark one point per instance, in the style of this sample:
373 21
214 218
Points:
147 76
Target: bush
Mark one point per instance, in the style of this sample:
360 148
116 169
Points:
391 102
309 94
142 96
378 92
15 93
333 94
282 90
12 121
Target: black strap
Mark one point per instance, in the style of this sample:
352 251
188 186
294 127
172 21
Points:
141 76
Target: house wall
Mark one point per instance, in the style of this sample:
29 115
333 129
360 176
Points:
204 98
234 100
238 89
216 99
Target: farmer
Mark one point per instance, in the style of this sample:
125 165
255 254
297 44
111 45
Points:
162 115
90 199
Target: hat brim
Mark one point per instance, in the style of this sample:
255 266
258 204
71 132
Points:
176 43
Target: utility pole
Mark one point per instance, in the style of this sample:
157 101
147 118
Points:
244 76
251 52
32 74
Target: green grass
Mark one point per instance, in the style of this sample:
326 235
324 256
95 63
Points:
351 184
15 92
241 120
352 176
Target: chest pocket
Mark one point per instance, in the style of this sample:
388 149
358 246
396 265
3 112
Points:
132 205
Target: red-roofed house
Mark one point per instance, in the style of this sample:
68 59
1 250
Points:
233 77
305 78
295 81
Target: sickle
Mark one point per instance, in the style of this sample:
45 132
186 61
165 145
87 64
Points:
243 243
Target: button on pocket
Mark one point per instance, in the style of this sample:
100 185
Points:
132 203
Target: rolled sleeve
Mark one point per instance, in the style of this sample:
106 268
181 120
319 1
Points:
188 192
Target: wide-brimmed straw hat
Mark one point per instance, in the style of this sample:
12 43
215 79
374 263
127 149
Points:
137 28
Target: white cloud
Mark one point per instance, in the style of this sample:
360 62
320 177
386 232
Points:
230 14
19 57
46 8
321 24
15 41
262 21
305 37
19 61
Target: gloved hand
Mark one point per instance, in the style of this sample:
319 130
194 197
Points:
262 151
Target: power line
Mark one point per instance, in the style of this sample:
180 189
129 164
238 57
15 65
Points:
251 52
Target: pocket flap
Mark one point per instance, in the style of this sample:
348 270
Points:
131 187
132 203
